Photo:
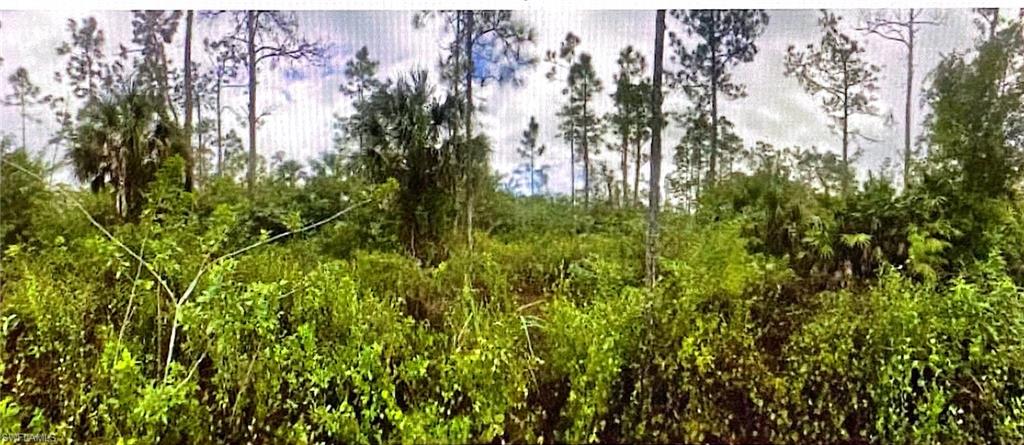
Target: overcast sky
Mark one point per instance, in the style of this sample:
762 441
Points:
303 101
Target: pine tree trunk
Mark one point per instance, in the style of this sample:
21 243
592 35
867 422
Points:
24 123
655 195
532 191
906 114
609 178
189 156
251 43
636 172
220 140
846 132
586 152
469 123
713 166
625 170
360 133
469 73
201 167
572 164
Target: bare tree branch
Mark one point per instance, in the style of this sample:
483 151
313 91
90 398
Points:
99 226
202 269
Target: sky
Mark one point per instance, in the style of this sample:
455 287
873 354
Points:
304 100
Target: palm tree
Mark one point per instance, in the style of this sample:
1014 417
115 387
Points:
121 141
410 135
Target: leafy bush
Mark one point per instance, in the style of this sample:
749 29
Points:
535 336
904 364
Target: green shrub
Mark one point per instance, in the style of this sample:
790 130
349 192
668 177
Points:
546 338
906 364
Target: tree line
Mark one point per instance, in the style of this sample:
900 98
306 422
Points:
121 114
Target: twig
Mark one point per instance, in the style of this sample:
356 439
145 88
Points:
529 305
98 226
303 229
202 269
529 346
193 369
131 297
245 381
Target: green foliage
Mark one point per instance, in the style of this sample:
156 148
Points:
579 123
976 103
341 305
548 337
121 141
906 364
402 128
21 196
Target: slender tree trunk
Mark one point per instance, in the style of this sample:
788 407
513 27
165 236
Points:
586 152
697 184
608 179
359 134
712 168
655 192
24 123
201 164
906 114
532 151
251 61
460 144
220 140
189 156
469 123
625 170
636 172
846 144
846 132
572 164
469 73
713 161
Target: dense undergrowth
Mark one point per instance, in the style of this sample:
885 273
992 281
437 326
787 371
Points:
543 332
365 304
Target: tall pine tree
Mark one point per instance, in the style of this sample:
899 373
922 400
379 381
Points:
631 115
725 38
836 71
579 113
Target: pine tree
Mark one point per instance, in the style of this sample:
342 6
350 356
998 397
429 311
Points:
529 151
901 26
561 60
152 31
267 36
631 115
579 115
836 71
189 96
654 197
225 59
726 38
360 81
487 46
24 96
86 68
